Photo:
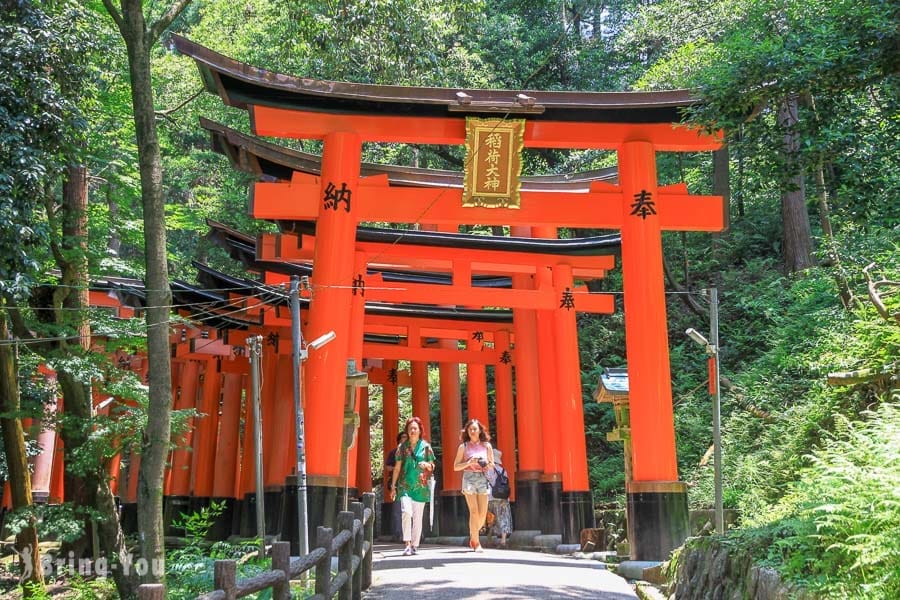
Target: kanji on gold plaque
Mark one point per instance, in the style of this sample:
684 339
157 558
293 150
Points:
493 162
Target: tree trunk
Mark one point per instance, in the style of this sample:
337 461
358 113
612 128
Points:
92 487
840 279
797 237
155 440
17 466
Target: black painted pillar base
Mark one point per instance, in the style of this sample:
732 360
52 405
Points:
223 526
454 514
657 518
196 504
551 507
175 508
386 520
273 499
128 518
323 503
577 514
247 517
289 530
527 507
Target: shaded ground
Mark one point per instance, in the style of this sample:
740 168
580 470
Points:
457 573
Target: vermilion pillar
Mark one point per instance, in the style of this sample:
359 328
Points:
528 415
227 467
42 464
180 472
357 321
453 507
550 377
421 398
657 502
206 432
364 445
391 412
268 398
476 387
279 461
247 481
577 502
505 412
332 281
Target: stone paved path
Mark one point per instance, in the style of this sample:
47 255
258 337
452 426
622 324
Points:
457 573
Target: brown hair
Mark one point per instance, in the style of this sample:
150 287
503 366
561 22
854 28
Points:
483 435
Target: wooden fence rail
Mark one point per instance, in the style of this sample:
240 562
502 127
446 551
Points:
352 545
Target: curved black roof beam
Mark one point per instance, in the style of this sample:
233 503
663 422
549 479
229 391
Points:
588 246
242 247
241 85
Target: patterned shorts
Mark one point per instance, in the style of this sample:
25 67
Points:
474 482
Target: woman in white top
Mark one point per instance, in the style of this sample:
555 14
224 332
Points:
476 458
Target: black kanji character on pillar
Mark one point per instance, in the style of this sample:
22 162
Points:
359 284
272 339
506 357
238 350
392 376
478 336
568 300
334 196
643 206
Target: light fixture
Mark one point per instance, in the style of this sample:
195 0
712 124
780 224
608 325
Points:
321 340
698 337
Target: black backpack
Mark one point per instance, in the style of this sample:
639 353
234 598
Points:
500 489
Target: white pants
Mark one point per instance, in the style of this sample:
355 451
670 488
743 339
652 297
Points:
411 517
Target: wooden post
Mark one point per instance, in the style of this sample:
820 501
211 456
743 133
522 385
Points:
225 578
151 591
369 503
358 543
345 555
324 538
281 560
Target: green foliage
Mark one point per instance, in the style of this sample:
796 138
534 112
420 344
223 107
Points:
189 570
44 51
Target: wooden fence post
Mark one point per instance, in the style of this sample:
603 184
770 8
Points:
345 555
151 591
225 578
281 560
358 540
324 538
369 502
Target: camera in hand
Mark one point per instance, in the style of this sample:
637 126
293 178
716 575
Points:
482 463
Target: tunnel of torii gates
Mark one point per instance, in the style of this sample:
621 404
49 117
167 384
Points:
344 116
377 290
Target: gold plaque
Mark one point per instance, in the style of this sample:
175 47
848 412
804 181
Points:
493 162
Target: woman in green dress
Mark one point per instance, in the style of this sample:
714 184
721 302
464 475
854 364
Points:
414 466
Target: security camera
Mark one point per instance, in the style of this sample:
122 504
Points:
697 336
322 340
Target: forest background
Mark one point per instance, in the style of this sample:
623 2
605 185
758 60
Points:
806 91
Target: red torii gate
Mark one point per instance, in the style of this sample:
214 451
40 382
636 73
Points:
635 125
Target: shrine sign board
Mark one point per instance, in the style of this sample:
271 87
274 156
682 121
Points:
493 162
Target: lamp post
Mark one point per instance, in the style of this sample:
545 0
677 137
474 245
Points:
254 343
355 379
712 349
300 353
